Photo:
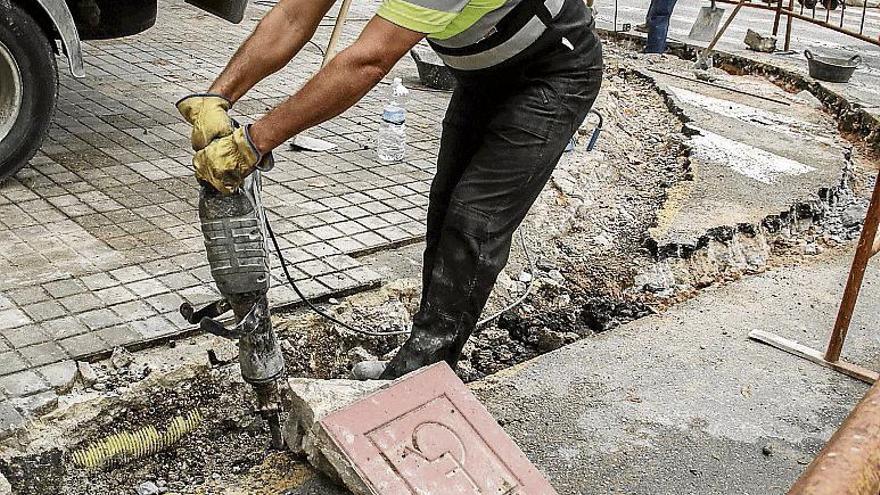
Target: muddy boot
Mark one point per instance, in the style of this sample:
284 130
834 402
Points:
427 345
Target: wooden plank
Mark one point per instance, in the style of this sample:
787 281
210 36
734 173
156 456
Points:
802 351
341 18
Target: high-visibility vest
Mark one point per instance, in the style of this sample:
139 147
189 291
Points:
471 35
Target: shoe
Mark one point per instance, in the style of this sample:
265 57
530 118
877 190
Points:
368 370
642 28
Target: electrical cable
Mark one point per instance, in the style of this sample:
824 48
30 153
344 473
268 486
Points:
320 50
324 314
522 298
312 305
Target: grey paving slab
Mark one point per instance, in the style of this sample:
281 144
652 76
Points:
10 419
59 376
99 236
683 402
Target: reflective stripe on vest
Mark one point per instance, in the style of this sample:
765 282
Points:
516 44
480 29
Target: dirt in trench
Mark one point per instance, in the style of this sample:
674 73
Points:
230 443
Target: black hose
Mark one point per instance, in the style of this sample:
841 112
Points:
312 305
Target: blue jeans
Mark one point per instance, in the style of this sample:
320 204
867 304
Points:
658 25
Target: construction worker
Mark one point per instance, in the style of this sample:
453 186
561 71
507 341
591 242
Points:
527 73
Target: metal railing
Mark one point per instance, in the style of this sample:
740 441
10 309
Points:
850 462
853 25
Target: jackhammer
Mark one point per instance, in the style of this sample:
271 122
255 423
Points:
237 244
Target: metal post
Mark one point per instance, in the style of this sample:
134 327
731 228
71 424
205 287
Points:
337 32
864 13
788 25
856 276
850 462
616 7
777 17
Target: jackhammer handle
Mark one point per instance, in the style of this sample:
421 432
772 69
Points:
213 310
205 318
214 327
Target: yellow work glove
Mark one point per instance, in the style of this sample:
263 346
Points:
227 161
208 115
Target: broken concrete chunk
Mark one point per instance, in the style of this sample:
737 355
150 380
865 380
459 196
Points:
368 370
87 374
854 216
121 358
5 487
61 376
809 99
308 400
39 404
760 43
10 420
147 488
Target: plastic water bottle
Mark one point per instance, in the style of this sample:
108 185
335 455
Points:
391 145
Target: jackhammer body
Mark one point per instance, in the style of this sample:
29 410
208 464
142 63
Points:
236 240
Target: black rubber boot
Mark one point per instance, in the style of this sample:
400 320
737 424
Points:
427 344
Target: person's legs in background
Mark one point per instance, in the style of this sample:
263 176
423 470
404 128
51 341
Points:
659 15
643 28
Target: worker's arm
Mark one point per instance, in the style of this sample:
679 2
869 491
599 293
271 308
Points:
339 85
228 160
279 36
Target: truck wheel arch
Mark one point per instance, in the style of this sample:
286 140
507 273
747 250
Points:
64 26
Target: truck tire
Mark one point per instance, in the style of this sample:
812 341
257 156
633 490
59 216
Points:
27 66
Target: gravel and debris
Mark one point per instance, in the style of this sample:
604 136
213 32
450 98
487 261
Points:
589 235
230 441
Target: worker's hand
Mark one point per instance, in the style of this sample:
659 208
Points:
208 115
227 161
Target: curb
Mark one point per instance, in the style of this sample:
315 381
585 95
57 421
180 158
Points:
852 118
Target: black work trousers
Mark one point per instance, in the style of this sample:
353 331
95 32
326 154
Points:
503 134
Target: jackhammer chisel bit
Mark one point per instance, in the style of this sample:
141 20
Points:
234 227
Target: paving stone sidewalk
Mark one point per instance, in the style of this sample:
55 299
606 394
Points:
99 235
